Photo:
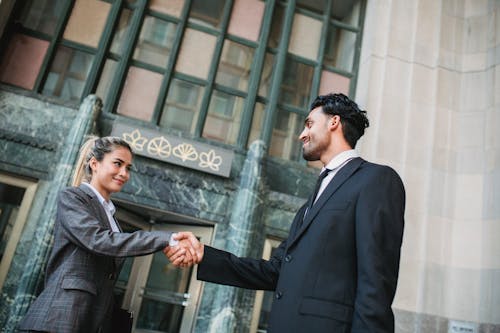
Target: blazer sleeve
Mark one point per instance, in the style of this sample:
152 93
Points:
83 228
225 268
379 233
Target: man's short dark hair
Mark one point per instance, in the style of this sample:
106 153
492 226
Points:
353 119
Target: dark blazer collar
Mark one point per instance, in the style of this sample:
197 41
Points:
341 176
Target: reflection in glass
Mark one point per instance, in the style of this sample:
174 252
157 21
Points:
41 15
285 138
246 19
106 79
305 37
340 47
182 106
208 13
22 60
316 6
296 85
170 7
267 75
68 74
333 82
234 67
155 41
224 118
121 32
140 92
86 23
276 27
164 296
10 201
196 53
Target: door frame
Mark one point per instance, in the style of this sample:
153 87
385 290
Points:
141 265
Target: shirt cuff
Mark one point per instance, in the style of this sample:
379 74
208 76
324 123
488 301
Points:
172 241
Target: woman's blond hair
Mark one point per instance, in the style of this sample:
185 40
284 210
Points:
94 147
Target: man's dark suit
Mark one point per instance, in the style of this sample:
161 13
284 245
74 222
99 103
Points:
85 261
337 272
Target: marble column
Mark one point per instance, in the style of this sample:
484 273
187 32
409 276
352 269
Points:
32 276
244 217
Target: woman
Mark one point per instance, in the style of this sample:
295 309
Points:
89 245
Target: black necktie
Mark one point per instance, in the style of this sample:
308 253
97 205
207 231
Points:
322 176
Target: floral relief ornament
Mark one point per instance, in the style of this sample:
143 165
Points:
210 160
135 140
159 146
185 151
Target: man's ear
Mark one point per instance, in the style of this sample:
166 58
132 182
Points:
334 122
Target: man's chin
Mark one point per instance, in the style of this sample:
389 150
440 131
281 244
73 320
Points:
310 157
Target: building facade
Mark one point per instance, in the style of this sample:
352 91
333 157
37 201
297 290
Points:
212 96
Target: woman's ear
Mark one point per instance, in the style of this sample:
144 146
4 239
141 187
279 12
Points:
93 163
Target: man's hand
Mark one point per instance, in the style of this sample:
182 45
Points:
187 252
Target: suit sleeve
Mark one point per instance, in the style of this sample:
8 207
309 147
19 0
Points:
225 268
379 233
77 221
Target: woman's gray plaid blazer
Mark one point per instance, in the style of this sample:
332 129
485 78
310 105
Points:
83 266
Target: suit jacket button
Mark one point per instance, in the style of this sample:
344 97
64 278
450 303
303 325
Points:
278 295
288 258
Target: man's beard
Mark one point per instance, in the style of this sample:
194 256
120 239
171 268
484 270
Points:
310 155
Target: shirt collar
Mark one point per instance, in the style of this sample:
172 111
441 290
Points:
341 159
108 205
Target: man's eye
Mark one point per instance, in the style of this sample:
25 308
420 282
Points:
118 164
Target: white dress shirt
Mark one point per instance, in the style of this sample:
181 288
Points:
335 165
109 208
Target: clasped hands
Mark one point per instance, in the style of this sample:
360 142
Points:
187 252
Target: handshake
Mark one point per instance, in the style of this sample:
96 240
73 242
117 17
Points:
185 250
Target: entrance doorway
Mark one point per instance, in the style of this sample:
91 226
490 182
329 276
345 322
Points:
162 297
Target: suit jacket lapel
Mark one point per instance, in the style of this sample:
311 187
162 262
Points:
102 216
332 187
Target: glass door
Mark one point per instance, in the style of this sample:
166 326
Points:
162 297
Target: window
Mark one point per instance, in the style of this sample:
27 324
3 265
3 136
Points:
16 195
225 71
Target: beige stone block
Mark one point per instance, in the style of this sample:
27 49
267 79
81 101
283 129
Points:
491 208
441 195
392 128
490 246
402 29
466 240
376 29
477 31
490 296
426 45
492 129
442 133
420 135
463 294
477 91
467 130
424 84
467 161
397 79
437 238
468 197
473 62
448 89
475 8
454 7
417 189
496 85
409 283
433 290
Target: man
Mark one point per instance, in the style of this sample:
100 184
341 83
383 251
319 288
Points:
337 270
